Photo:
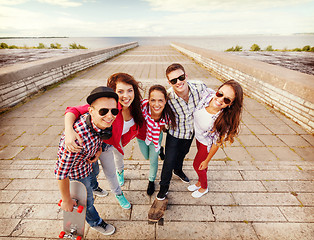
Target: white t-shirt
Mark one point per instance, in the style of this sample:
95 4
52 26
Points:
127 125
203 122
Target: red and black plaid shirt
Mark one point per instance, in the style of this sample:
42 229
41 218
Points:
75 165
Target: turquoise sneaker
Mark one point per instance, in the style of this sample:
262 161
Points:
124 203
120 177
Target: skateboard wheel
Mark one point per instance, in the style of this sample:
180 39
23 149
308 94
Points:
80 209
61 235
59 203
78 238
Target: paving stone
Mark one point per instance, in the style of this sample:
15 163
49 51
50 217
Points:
126 230
211 198
205 230
37 197
28 228
271 140
30 152
248 214
9 152
307 199
261 153
283 186
258 129
265 199
251 140
7 196
238 154
294 140
7 226
236 186
284 231
277 175
284 153
306 153
298 214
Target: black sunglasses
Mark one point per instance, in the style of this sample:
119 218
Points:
226 100
104 111
181 78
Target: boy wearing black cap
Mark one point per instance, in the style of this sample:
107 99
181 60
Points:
78 166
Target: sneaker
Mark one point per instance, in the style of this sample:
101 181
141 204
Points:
105 228
151 188
193 188
198 194
162 192
161 153
182 176
120 177
124 203
100 192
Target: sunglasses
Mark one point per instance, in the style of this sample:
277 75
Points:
104 111
226 100
174 81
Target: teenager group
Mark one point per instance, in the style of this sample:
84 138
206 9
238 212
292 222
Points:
102 130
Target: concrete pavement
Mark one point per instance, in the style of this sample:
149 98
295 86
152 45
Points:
261 187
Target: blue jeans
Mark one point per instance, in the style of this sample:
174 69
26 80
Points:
150 153
92 216
93 175
175 151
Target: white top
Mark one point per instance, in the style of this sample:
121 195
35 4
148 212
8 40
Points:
203 122
127 125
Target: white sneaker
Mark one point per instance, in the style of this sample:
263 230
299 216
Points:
198 194
193 188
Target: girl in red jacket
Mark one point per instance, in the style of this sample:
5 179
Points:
126 127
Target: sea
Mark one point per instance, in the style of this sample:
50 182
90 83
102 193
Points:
218 43
299 61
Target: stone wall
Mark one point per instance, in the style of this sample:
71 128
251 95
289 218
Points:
22 80
290 92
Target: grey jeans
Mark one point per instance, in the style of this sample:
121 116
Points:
107 160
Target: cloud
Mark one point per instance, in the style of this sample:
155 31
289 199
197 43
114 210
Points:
62 3
214 5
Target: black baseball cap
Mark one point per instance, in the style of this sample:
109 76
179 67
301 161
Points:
100 92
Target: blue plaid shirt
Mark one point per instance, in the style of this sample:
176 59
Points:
75 165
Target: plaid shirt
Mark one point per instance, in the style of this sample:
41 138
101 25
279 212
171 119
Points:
184 111
74 165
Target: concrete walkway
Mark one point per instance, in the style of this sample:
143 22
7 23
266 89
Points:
261 187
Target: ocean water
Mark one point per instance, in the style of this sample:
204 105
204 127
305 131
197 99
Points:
218 43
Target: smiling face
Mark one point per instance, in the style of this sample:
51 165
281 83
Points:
126 94
181 87
157 102
105 121
218 102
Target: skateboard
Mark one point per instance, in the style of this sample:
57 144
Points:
157 211
74 222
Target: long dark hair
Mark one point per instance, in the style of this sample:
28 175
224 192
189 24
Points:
136 104
167 112
227 124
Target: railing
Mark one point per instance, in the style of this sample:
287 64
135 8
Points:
20 81
290 92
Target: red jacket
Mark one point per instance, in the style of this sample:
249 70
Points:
117 127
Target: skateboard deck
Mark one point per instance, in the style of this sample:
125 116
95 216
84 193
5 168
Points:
157 211
74 222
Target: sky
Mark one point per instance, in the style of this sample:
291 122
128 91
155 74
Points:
118 18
